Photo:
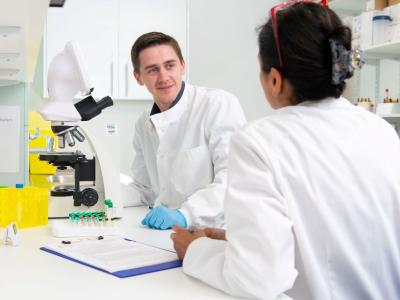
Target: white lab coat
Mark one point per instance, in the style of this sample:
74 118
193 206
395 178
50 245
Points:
312 208
181 154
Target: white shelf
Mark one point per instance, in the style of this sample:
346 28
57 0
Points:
6 30
391 116
7 82
388 50
347 7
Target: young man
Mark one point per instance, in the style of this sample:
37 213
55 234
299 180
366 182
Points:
182 144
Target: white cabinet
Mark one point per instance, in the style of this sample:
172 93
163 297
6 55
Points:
92 23
21 32
12 53
106 30
137 17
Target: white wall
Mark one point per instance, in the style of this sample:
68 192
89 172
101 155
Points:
124 113
223 49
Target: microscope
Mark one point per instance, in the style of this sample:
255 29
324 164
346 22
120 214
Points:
92 180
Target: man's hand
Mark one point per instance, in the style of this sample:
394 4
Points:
182 239
161 217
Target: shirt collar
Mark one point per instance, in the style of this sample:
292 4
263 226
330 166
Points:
156 109
171 115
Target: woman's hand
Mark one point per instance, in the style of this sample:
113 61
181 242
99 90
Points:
215 233
182 237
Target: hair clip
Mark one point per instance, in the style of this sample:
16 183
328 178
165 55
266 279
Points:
342 66
357 59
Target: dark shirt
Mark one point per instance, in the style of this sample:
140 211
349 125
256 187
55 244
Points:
156 109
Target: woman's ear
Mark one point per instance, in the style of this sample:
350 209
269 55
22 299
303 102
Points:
276 82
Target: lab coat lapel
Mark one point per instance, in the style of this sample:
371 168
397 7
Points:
172 115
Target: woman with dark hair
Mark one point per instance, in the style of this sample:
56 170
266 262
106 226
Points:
313 199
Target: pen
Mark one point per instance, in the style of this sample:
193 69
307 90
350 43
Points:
67 242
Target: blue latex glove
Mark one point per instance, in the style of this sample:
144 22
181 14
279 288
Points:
161 217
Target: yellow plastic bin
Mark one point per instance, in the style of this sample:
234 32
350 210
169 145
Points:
27 206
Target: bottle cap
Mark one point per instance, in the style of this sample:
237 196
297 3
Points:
386 18
108 203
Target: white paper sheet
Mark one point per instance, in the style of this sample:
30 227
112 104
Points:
10 117
114 254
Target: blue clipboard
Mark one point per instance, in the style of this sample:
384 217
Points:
123 273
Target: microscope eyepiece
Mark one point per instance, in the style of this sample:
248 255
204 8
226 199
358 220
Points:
105 102
88 108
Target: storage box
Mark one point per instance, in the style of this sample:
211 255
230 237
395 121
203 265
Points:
376 4
394 12
27 206
394 32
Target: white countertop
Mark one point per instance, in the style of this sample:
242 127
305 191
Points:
26 272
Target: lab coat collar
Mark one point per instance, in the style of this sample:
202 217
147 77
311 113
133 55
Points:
172 115
327 102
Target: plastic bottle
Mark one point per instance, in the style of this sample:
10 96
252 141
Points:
380 26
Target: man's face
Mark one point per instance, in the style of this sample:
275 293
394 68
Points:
161 72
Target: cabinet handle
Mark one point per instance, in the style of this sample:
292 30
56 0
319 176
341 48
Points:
126 80
112 79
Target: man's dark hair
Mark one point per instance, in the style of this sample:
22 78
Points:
304 32
149 40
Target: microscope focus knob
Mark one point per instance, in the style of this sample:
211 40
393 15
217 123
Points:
89 197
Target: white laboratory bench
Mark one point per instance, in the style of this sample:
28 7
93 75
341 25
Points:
26 272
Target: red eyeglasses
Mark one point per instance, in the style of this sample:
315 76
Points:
277 8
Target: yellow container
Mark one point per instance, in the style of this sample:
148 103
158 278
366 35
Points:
27 206
35 165
41 181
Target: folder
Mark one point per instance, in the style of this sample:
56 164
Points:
115 255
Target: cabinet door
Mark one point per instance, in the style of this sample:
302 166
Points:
12 52
93 24
137 17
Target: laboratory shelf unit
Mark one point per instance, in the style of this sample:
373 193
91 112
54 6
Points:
389 50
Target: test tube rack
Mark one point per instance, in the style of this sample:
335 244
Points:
85 224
